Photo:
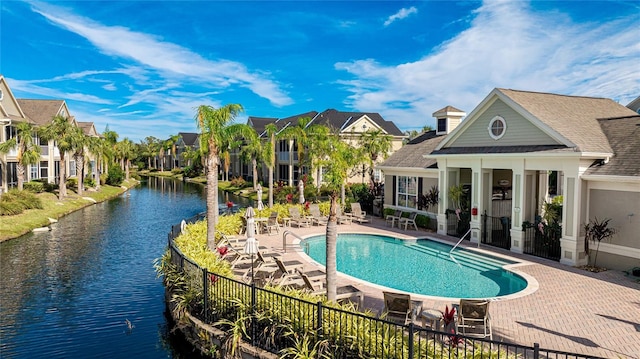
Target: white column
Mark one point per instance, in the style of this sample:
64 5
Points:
517 186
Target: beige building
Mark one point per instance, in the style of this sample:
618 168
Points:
516 151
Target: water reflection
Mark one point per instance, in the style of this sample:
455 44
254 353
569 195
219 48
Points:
69 292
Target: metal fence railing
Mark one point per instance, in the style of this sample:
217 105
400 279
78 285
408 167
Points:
270 318
542 241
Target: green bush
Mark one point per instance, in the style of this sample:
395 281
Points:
192 171
238 182
176 171
15 202
89 182
115 176
34 186
72 183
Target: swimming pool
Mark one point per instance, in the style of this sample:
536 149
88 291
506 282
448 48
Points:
421 267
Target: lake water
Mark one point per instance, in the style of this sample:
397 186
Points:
69 293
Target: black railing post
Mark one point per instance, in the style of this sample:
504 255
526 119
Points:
536 350
253 313
411 340
205 293
484 227
319 315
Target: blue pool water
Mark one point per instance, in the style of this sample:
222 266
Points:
422 267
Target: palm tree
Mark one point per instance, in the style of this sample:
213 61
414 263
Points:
374 144
28 151
337 159
79 142
270 155
253 151
97 146
111 139
126 151
300 133
216 127
170 145
60 130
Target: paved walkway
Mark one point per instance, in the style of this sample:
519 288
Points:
570 309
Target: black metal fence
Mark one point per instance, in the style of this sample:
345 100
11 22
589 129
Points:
272 321
496 231
542 240
457 223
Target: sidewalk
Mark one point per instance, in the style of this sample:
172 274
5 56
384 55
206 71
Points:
571 310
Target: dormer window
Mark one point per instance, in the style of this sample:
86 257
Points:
497 127
442 125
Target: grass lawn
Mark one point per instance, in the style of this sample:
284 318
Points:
15 226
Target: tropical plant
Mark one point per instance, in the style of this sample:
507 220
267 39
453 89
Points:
375 144
216 129
62 131
252 151
79 142
306 347
429 199
597 231
28 152
16 201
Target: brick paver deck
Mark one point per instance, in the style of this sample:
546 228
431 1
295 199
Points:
570 310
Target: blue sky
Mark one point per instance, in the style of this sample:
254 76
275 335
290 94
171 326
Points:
142 67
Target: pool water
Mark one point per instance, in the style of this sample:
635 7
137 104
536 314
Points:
421 267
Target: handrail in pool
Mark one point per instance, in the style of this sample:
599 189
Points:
284 239
457 244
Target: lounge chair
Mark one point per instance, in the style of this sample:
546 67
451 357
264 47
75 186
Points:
316 217
407 221
343 218
296 218
474 319
357 214
289 272
399 308
342 292
393 218
272 223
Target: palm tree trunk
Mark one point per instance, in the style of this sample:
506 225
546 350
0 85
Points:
212 199
332 238
127 163
254 165
79 166
270 187
62 192
20 170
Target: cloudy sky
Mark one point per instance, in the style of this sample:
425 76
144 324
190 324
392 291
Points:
142 67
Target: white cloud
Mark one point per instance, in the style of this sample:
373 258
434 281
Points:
31 88
403 13
168 59
507 45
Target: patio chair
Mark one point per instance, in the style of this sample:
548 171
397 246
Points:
343 218
316 217
407 221
474 319
393 218
289 272
357 213
342 292
294 213
399 308
272 223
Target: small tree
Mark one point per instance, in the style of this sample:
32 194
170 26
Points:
596 231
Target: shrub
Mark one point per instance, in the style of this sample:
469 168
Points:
176 171
14 202
192 171
238 182
89 182
8 208
34 186
72 183
115 176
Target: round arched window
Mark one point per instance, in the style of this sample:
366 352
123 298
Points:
497 127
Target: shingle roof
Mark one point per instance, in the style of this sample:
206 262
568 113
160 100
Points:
624 136
260 123
573 117
339 120
293 120
189 138
412 153
40 111
447 109
85 127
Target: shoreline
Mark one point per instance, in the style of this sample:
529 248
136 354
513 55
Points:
33 219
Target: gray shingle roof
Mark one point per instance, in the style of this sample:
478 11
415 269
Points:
624 136
412 153
338 120
260 123
189 138
573 117
40 111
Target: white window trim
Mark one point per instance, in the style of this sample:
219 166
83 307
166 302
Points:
504 127
406 194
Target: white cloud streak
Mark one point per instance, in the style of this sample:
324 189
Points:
507 45
170 60
401 14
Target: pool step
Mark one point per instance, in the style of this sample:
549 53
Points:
468 258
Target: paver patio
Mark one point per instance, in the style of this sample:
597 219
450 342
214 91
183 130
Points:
571 310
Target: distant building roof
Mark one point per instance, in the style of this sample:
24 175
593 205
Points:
339 120
41 111
189 138
413 152
624 136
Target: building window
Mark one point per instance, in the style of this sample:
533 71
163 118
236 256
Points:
34 172
377 176
10 132
497 127
44 169
72 168
407 192
442 125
